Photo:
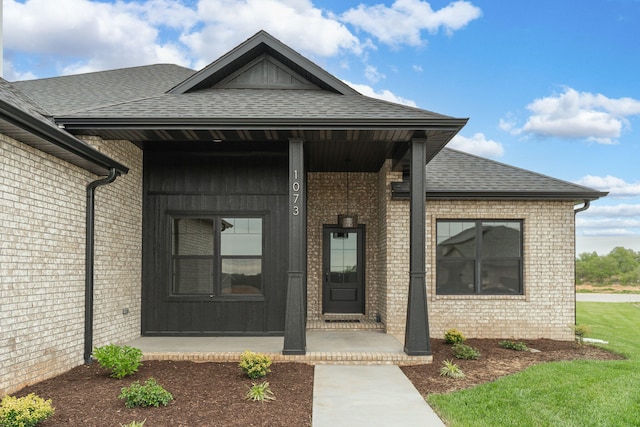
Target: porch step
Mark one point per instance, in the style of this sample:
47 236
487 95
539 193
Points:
311 358
345 323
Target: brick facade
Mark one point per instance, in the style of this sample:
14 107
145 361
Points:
327 197
42 259
545 310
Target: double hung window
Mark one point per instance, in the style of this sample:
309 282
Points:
217 256
479 257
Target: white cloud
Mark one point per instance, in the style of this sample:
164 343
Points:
372 74
620 210
478 144
385 95
577 115
82 35
608 232
417 68
609 223
88 35
226 23
404 20
616 187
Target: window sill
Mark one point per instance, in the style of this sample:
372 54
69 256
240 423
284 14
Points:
481 297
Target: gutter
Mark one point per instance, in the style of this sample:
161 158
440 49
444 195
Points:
89 258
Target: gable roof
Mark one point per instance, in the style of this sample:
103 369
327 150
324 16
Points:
453 174
24 120
233 100
262 44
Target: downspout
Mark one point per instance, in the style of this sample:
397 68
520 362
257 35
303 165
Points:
586 205
583 208
89 256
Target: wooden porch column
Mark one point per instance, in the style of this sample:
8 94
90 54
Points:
416 339
295 340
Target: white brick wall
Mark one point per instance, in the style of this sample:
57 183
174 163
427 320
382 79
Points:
545 310
42 254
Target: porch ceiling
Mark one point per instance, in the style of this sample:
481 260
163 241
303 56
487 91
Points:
326 149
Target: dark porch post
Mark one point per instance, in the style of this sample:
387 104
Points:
416 339
295 340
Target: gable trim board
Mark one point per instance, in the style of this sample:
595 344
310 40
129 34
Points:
196 147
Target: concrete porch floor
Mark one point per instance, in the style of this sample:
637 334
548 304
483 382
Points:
344 347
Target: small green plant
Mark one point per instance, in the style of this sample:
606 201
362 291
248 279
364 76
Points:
260 392
513 345
463 351
255 365
451 370
580 331
148 394
453 336
134 423
26 411
121 360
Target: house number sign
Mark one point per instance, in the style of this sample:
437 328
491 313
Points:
295 192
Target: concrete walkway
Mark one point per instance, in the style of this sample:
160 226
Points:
349 390
381 395
608 297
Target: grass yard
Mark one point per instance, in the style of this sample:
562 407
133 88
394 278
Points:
579 393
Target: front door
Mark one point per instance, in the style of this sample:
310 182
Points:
343 270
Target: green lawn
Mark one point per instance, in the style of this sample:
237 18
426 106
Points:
580 393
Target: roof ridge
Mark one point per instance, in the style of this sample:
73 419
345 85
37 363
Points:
90 73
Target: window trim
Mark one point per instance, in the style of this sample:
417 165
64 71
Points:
217 256
478 259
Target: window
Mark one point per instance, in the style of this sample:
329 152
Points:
479 257
217 256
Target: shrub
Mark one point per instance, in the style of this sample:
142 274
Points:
260 392
451 370
453 336
255 365
463 351
149 394
513 345
24 411
134 423
121 360
580 331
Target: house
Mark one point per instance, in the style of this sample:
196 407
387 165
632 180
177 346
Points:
257 196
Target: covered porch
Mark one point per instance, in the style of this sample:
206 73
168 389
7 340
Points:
324 346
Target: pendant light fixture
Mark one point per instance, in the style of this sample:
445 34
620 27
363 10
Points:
347 220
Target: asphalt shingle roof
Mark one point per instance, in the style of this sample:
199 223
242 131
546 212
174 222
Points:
84 92
259 103
452 171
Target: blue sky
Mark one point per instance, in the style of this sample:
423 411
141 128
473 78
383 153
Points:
550 86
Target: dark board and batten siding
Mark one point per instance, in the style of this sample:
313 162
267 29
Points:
213 184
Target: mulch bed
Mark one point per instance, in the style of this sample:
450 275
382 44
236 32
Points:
494 362
212 394
205 394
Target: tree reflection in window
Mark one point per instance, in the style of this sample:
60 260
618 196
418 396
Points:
489 250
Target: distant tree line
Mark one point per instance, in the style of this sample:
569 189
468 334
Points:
618 266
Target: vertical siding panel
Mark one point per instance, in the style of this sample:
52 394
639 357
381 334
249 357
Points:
202 182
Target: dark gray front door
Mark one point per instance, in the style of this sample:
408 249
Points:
343 270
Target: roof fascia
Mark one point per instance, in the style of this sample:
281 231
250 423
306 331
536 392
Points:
260 123
577 197
253 47
80 152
